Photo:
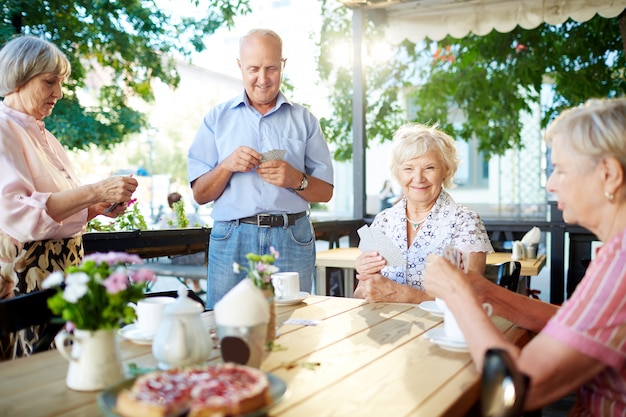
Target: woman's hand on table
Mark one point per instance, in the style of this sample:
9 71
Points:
369 262
376 288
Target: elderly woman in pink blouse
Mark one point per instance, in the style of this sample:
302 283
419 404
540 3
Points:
580 346
426 220
43 207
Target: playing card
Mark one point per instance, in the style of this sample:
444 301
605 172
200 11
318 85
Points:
273 155
374 239
456 257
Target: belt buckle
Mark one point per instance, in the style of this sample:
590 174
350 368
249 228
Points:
260 220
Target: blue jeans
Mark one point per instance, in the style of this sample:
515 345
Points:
231 241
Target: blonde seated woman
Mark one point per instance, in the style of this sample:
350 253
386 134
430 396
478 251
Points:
426 220
579 346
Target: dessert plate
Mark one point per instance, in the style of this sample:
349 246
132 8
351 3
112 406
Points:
431 307
108 398
301 296
438 337
132 333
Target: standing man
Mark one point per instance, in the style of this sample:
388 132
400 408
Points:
261 197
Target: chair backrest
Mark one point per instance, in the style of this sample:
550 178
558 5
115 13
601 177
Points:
506 274
174 293
503 386
24 311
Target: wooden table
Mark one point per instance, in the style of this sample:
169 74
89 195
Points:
361 359
345 259
530 267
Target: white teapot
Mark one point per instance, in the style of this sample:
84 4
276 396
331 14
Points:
181 339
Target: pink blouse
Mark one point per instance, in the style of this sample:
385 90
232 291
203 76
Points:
593 321
34 165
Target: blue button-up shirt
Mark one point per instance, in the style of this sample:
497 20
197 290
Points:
235 123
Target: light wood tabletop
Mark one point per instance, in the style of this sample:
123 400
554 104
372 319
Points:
345 258
350 358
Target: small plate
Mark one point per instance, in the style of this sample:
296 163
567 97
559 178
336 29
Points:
301 296
438 337
107 399
132 333
431 307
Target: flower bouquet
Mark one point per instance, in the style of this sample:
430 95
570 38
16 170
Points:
260 269
94 298
96 294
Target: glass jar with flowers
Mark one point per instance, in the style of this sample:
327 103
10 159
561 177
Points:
93 298
260 269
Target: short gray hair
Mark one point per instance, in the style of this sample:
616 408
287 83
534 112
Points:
596 129
25 57
414 140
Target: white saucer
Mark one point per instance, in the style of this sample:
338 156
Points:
431 307
301 296
132 333
438 337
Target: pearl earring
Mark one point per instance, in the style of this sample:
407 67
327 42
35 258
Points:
609 196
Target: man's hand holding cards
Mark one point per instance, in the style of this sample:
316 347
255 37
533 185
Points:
456 258
273 155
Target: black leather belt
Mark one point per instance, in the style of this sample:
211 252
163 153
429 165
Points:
273 220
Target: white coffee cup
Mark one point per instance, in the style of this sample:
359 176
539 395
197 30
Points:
150 313
451 326
286 285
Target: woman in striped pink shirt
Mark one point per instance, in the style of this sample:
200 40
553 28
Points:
580 346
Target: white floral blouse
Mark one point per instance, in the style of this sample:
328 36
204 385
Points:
447 224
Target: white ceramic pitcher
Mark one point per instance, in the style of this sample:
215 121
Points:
182 339
94 359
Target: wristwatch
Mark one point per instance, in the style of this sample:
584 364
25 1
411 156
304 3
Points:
304 183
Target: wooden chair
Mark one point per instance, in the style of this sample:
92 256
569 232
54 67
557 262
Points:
503 386
24 311
506 274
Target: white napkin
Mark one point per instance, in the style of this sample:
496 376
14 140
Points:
532 237
244 305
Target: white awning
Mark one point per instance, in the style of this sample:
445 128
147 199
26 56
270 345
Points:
418 19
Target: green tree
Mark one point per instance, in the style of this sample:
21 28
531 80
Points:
133 41
489 79
385 81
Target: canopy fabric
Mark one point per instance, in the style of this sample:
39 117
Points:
417 19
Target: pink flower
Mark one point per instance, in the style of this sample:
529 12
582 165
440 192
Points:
274 252
116 282
143 275
260 267
114 258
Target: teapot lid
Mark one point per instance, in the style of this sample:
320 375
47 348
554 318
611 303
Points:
183 304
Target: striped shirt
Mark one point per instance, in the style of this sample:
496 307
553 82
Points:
593 321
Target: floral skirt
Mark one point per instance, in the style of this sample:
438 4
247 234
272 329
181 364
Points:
25 268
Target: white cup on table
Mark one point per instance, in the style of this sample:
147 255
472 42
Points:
451 326
150 313
286 285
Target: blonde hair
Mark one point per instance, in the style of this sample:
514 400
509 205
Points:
596 129
414 140
25 57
